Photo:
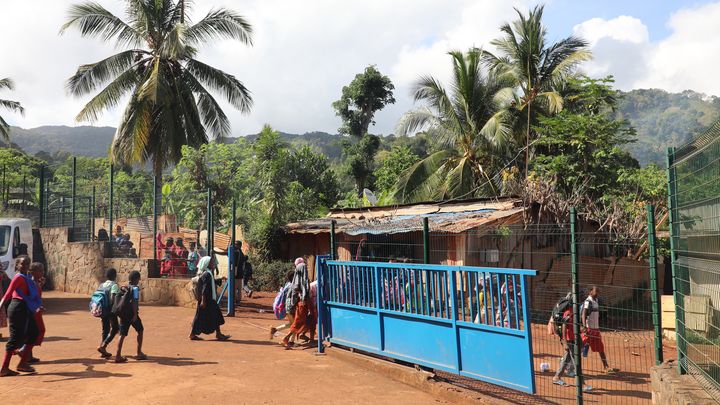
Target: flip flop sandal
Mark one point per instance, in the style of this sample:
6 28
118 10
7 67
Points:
121 360
611 371
223 338
141 357
560 383
196 338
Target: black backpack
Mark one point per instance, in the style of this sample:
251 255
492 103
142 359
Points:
122 305
558 310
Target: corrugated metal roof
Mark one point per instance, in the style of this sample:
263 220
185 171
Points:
452 217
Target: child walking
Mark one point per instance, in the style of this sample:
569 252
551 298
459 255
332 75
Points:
110 326
22 301
133 320
37 270
290 316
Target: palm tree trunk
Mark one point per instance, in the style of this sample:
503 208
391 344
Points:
158 203
527 142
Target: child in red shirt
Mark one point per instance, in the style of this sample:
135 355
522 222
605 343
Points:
567 338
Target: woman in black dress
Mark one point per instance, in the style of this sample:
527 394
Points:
208 317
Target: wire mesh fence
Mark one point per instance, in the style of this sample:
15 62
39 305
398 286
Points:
18 191
135 215
618 268
694 190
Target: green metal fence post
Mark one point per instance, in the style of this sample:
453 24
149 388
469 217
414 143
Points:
677 296
92 215
333 242
231 267
24 197
208 243
576 307
4 186
110 205
41 197
74 190
654 291
47 200
426 240
155 218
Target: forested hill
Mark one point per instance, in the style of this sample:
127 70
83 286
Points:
661 119
665 119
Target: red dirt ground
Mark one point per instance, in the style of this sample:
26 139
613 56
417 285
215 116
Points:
249 369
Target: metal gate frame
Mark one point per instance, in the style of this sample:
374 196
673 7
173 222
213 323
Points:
436 320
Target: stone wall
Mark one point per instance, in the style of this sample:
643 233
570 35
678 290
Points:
79 267
164 291
670 388
75 267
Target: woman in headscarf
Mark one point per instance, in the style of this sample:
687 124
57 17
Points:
208 317
298 297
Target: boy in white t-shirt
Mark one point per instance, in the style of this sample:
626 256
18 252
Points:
590 317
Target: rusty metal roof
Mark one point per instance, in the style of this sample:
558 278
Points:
452 217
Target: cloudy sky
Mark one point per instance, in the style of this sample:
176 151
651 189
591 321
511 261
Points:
305 51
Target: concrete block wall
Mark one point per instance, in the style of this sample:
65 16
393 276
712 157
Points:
79 267
670 388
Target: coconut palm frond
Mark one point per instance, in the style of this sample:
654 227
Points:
218 24
231 88
413 184
94 20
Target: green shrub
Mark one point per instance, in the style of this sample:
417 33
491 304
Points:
270 276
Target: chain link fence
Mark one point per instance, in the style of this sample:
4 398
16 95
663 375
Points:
627 281
694 190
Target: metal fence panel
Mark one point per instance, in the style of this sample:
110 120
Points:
694 196
415 313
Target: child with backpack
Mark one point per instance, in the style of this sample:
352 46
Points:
281 300
126 307
567 339
37 271
107 291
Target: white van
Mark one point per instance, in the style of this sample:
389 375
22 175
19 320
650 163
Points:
13 232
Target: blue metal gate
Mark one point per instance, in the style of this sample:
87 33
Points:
471 321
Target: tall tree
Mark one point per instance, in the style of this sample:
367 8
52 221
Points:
535 68
468 120
367 94
170 104
13 106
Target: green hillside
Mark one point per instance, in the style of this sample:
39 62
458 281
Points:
665 119
661 119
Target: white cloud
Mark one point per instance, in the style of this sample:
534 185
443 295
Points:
686 59
304 52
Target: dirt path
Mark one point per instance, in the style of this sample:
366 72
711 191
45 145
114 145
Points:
249 369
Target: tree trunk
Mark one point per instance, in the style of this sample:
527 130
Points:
527 142
158 192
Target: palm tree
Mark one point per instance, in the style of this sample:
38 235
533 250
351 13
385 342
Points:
170 104
468 120
9 105
534 68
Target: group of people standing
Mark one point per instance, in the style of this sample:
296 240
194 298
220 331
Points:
301 306
21 308
175 258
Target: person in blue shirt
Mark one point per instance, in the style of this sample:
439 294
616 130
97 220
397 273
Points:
135 321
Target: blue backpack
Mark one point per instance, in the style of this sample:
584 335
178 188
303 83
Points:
100 302
279 303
